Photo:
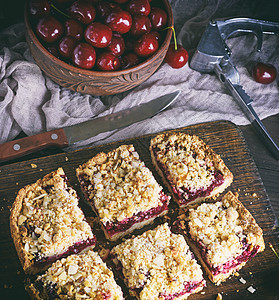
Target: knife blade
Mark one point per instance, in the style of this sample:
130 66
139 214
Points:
70 135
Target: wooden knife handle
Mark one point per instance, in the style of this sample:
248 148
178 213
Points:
26 145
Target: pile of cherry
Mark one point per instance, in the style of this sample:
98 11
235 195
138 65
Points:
105 35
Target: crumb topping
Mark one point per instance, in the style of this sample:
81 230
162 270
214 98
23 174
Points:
120 184
189 162
157 262
82 276
50 220
222 227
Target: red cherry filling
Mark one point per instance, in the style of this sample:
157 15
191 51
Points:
185 195
84 56
98 35
114 228
76 248
249 251
245 256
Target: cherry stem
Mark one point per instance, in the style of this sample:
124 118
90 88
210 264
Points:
174 36
60 11
272 248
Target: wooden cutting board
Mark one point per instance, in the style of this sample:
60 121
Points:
225 138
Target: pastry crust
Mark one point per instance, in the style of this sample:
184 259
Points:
134 227
158 264
75 277
15 233
185 162
33 291
40 227
121 189
222 229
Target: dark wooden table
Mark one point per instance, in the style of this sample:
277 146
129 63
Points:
268 166
264 274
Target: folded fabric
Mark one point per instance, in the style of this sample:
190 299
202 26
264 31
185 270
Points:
32 103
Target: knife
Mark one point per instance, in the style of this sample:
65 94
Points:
70 135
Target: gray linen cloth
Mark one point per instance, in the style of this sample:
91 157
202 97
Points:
32 103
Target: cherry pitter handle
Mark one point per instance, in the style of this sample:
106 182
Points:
247 25
245 103
213 55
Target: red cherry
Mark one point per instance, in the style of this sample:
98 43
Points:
82 11
157 35
139 7
84 56
176 58
146 45
107 61
117 44
120 1
73 28
105 8
129 60
62 1
98 35
39 8
53 50
141 24
129 43
66 46
49 29
158 18
264 73
119 20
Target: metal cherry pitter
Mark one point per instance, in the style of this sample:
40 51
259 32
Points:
213 55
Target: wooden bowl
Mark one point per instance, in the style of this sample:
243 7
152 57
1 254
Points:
96 82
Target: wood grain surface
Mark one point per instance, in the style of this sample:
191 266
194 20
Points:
225 138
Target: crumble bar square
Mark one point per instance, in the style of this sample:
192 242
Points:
191 170
46 223
223 235
158 265
79 276
122 191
